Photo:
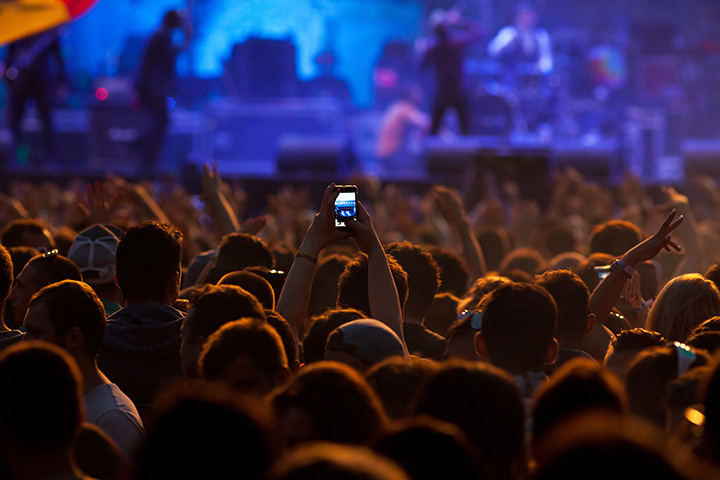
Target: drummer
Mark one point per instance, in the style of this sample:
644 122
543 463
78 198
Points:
523 45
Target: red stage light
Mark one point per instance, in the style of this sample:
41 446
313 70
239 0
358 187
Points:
101 94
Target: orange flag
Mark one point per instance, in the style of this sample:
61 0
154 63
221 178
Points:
21 18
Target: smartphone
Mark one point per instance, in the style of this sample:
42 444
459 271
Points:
345 206
602 272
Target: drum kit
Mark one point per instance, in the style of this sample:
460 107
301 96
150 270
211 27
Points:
517 98
505 99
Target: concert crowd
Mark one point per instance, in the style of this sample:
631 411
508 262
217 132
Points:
467 334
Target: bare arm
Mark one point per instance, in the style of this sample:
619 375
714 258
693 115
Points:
140 197
12 207
221 212
688 236
607 292
450 205
382 292
295 295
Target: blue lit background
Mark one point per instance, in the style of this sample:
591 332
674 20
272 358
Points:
111 36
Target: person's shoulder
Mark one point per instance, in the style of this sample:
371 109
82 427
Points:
110 405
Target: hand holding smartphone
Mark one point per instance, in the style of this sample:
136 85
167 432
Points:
345 207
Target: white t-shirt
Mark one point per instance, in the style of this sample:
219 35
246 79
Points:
110 409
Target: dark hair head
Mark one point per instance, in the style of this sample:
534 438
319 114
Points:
71 304
282 327
713 274
629 450
482 287
442 314
207 431
429 449
423 276
586 269
626 345
572 299
495 244
215 305
172 19
559 238
650 374
454 274
330 461
710 325
212 307
51 268
64 237
29 232
284 255
340 404
578 385
253 283
320 328
147 258
636 339
711 393
238 251
397 380
709 341
250 338
20 257
528 260
34 369
324 292
6 276
614 237
518 327
276 278
486 404
353 284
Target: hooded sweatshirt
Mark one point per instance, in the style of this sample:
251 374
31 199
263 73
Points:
141 350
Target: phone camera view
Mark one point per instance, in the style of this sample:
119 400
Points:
344 208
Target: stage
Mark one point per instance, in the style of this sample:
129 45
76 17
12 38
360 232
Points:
311 140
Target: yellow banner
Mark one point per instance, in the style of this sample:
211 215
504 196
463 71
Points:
20 18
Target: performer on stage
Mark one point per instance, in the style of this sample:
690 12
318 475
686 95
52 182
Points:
453 34
33 69
402 125
155 84
523 44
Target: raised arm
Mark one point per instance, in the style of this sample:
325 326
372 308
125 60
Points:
139 196
607 292
688 236
382 292
221 212
450 205
295 295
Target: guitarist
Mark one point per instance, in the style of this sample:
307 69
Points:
33 69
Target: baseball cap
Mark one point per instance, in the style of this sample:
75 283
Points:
367 339
93 251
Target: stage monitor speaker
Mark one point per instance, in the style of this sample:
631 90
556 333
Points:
113 131
527 168
251 132
598 160
451 161
466 160
702 157
315 156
